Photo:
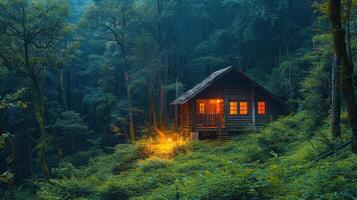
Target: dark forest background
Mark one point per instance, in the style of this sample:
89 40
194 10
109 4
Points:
79 77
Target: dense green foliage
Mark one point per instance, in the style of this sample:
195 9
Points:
277 162
94 71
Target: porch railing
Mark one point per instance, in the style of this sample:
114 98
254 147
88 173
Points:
207 120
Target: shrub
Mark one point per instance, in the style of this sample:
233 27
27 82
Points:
112 191
143 147
277 136
193 166
153 163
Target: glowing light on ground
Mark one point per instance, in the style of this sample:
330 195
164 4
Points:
165 145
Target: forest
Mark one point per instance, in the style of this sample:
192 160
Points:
86 92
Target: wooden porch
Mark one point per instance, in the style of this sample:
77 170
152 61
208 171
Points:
208 120
210 123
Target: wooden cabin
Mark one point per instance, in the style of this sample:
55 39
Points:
226 101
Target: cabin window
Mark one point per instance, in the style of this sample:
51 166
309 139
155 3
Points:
210 106
261 108
233 108
243 108
201 108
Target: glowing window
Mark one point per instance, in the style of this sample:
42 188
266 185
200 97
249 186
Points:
233 108
243 108
201 108
261 108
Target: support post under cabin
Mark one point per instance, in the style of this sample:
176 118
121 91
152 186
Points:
253 109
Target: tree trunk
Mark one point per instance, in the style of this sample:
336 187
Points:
162 108
51 123
121 44
107 119
176 106
37 101
153 109
42 142
345 66
29 147
130 109
335 100
128 92
62 89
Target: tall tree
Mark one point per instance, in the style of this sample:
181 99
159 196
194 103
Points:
32 30
110 19
335 100
345 66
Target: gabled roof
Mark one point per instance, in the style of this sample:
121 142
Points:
211 79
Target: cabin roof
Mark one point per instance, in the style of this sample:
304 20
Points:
211 79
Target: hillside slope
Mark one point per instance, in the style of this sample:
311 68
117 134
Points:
277 162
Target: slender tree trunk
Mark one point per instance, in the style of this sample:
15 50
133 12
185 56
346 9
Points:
162 108
163 82
128 92
37 101
335 100
107 119
159 22
163 96
29 147
348 16
153 109
346 67
51 123
176 106
42 142
62 89
130 109
121 44
69 91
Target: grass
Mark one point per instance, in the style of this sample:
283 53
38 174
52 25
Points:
276 163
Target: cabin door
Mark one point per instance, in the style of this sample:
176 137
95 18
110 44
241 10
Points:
210 113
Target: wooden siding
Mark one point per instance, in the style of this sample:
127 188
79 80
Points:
238 92
230 88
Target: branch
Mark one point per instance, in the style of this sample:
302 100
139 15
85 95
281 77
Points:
118 38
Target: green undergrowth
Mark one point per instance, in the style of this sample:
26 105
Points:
276 163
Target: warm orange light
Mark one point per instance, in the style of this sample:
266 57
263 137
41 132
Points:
209 106
243 108
261 108
164 145
233 108
201 108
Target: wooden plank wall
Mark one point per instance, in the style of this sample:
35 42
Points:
241 92
232 89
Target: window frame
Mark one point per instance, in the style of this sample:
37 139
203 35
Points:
229 107
265 107
203 104
240 110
